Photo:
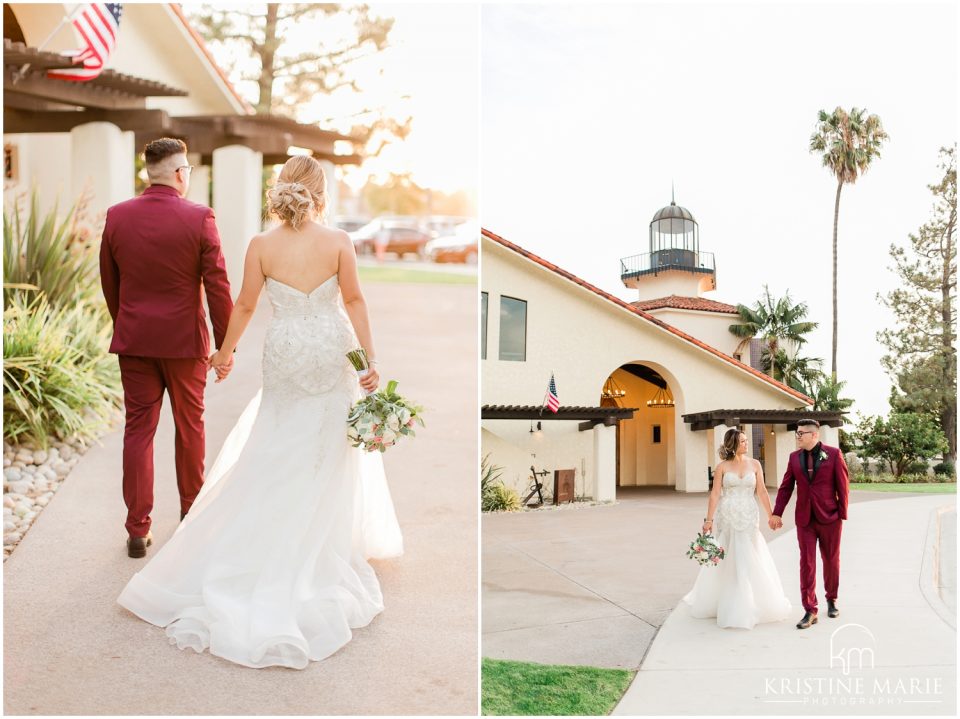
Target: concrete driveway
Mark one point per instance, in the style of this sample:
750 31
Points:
593 585
70 649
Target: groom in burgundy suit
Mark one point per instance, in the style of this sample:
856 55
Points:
159 253
823 490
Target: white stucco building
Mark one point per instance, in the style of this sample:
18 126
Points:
671 347
161 80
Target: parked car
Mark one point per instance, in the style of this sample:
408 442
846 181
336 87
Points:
441 225
402 236
461 246
350 223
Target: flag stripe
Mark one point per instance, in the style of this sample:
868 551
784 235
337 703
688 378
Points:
106 24
98 25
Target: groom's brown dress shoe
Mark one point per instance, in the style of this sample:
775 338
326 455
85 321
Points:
137 546
832 610
808 619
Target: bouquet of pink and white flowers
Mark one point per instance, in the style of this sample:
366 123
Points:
705 550
380 419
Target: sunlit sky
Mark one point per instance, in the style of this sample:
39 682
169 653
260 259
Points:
430 71
589 112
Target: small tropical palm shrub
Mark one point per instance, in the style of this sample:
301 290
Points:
58 379
49 255
494 495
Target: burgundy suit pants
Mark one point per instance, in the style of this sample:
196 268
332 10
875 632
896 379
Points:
144 381
828 537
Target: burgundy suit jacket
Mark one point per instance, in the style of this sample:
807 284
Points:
158 254
825 498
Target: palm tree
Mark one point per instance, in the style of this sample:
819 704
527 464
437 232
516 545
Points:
800 373
848 143
825 392
776 323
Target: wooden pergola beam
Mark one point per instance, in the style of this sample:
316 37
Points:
142 120
80 94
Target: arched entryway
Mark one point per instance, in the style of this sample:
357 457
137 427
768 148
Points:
647 444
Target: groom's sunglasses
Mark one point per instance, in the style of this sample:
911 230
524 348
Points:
188 168
800 434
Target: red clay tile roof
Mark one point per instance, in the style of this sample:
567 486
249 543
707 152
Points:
686 303
206 51
645 315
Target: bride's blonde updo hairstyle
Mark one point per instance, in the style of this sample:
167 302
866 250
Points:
731 443
300 189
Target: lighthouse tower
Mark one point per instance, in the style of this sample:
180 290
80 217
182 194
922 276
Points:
674 264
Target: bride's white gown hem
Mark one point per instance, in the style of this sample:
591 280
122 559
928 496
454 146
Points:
269 567
744 589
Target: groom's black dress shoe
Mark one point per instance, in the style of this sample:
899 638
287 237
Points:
832 610
137 546
808 619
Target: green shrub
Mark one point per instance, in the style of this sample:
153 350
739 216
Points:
54 257
913 478
58 379
916 468
945 468
494 495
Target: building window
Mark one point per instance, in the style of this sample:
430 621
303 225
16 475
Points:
513 329
656 434
483 325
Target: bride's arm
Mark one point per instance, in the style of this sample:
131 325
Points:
244 308
356 307
762 490
714 498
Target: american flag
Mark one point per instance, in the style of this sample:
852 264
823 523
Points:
551 399
98 25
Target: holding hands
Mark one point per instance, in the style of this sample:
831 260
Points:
221 363
774 522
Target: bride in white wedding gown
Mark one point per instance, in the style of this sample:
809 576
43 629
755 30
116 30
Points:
744 589
270 567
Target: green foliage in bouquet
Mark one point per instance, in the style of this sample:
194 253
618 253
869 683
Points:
705 550
57 376
379 420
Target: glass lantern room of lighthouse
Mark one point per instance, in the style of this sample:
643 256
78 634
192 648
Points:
674 263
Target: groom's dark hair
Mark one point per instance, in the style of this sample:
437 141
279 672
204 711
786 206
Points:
808 423
157 151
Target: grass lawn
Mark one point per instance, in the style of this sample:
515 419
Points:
404 274
523 688
917 487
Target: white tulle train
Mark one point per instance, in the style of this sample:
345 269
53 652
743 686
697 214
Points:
744 589
269 566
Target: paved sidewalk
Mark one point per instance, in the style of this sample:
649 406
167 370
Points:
70 649
592 585
899 654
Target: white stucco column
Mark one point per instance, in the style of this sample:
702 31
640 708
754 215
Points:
830 436
333 191
101 158
199 180
237 172
694 456
605 462
785 444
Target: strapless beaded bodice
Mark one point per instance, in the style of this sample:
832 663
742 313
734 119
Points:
304 352
738 508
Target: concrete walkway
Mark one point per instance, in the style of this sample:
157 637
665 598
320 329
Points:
890 649
592 585
70 649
